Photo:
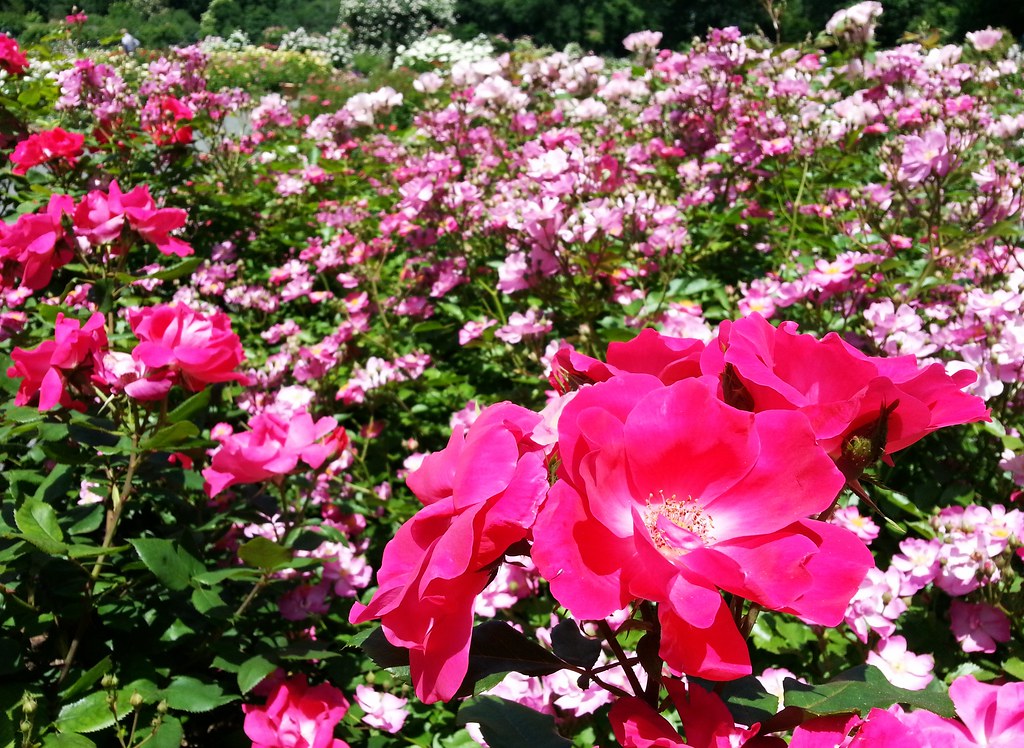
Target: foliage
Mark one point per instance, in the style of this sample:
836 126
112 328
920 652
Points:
239 312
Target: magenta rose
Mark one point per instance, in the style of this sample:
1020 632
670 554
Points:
885 403
202 349
46 146
273 446
101 217
48 369
666 493
297 715
37 244
481 495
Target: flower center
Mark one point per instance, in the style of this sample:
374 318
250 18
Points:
676 525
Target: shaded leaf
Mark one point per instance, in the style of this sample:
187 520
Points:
173 434
168 735
571 645
496 647
195 404
67 740
264 553
748 701
172 565
505 724
860 690
384 654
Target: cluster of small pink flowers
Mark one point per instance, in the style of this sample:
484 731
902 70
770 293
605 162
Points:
970 551
378 372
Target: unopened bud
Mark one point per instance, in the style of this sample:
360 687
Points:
161 708
109 681
28 704
136 700
26 726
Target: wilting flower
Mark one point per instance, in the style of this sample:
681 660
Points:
297 715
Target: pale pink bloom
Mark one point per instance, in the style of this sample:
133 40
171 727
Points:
384 711
855 24
918 563
978 626
511 583
902 668
522 325
877 604
985 39
861 526
466 416
961 565
642 41
86 495
924 156
473 329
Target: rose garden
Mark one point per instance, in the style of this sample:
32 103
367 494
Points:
528 398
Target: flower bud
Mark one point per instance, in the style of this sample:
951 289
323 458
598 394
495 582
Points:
136 700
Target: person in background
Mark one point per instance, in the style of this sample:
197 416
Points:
129 43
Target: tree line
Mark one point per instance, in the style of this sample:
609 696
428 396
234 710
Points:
597 25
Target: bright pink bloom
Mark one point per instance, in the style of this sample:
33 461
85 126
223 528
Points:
48 368
978 627
38 244
161 119
707 722
202 349
101 217
47 146
297 715
481 494
272 447
12 59
857 404
652 504
990 716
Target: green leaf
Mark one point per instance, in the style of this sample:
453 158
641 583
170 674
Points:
264 554
505 724
185 267
207 600
87 679
172 565
67 740
195 404
187 694
38 523
748 701
90 714
173 434
168 735
860 690
253 671
1015 667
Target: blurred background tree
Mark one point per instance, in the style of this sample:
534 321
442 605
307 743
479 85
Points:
596 25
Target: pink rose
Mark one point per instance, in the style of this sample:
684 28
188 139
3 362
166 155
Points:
481 494
297 715
46 146
12 59
101 217
53 365
202 349
271 448
653 504
38 244
860 407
